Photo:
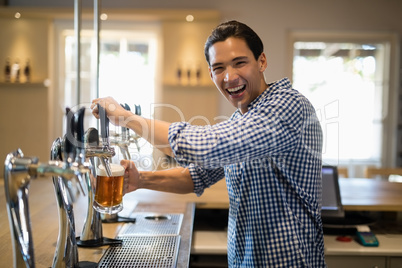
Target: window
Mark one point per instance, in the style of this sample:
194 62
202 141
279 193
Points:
347 80
127 72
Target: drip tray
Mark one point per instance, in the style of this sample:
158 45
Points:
152 241
143 251
153 224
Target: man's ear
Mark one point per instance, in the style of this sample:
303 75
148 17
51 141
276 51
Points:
262 61
210 73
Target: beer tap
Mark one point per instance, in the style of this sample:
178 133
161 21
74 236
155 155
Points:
108 151
92 233
66 253
135 137
123 143
69 149
124 140
18 172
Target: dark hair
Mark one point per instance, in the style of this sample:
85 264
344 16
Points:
238 30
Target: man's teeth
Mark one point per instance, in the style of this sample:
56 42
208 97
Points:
234 89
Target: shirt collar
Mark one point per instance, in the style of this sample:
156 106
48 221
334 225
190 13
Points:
284 82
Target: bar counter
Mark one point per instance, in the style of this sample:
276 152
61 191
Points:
357 194
45 225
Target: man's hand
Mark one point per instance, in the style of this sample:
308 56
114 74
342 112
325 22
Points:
131 176
115 112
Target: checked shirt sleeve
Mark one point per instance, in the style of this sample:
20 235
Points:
204 178
270 128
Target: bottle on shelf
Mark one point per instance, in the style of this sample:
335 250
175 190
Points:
27 72
7 71
188 72
15 71
198 73
179 73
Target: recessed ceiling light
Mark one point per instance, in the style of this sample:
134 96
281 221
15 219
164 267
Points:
189 18
103 16
17 15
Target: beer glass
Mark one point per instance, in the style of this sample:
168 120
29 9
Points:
109 190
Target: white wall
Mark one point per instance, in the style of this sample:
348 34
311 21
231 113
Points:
273 19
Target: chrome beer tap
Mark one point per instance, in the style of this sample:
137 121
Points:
134 138
18 172
125 137
124 140
92 233
66 253
107 151
68 148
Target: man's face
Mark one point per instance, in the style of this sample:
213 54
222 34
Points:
236 73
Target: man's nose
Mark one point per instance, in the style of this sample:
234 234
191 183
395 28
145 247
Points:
230 74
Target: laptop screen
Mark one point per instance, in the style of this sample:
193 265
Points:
331 197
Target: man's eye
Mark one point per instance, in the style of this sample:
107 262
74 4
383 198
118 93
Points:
217 69
240 63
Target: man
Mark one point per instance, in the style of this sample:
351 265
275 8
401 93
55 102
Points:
269 151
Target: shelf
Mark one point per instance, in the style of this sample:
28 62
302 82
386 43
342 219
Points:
4 85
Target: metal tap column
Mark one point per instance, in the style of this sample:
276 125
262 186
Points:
17 176
92 235
77 29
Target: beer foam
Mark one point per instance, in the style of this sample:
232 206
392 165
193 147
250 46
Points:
117 170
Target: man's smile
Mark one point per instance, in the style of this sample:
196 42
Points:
236 90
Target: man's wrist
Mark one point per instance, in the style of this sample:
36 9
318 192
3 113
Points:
142 180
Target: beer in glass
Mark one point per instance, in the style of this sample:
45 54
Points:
109 190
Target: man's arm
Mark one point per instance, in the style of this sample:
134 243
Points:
176 180
154 131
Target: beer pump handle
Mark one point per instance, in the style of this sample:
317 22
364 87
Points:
127 107
79 126
138 109
68 145
104 125
125 130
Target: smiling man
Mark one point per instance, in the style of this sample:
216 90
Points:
269 152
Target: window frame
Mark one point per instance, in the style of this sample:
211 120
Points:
390 122
60 27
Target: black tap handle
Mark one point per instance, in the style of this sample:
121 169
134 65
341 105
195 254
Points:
69 137
126 106
104 122
92 137
138 109
79 126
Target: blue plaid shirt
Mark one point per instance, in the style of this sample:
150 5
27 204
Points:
271 159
